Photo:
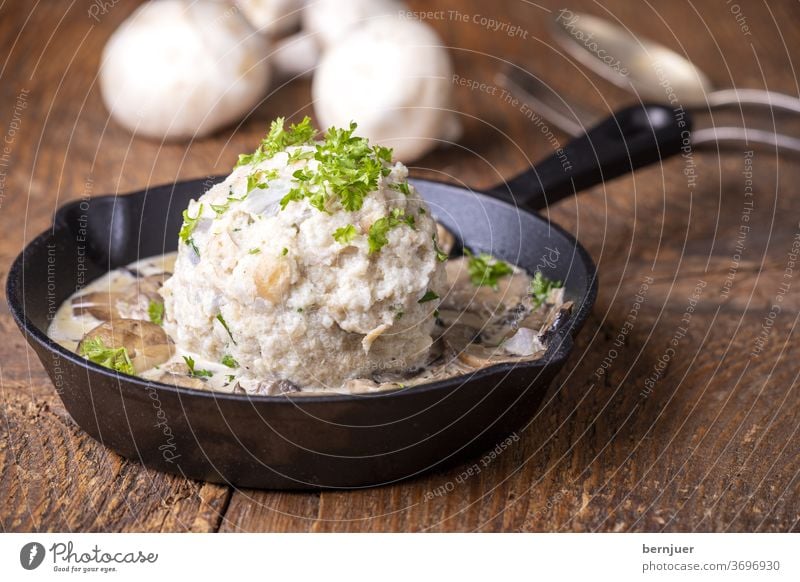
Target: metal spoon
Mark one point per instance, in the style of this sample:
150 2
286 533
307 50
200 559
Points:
574 120
652 70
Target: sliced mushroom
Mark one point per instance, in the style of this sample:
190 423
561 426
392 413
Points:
556 318
361 386
146 343
130 300
445 238
99 304
271 387
370 338
487 301
183 380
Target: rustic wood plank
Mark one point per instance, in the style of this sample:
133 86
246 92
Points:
712 445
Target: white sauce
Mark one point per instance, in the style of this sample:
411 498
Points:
476 327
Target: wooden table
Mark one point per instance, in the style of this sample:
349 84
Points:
680 424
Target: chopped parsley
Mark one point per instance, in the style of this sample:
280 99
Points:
401 187
278 139
221 209
189 224
260 179
541 287
196 373
284 252
441 256
349 169
114 358
378 232
485 270
229 361
429 296
225 325
345 234
254 251
155 311
300 154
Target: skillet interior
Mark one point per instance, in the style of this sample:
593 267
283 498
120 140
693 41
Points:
275 442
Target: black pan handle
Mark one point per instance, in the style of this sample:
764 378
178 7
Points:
629 139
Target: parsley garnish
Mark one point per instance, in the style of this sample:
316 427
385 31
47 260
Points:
188 227
196 373
225 325
155 311
541 287
345 234
485 270
221 209
114 358
300 154
284 252
401 187
260 179
254 251
377 236
429 296
441 256
278 139
229 361
349 169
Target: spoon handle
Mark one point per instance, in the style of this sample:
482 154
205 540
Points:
721 135
631 138
736 97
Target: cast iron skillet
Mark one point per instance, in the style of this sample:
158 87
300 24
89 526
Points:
336 441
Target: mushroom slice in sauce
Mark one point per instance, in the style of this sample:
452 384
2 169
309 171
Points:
146 343
273 387
129 300
176 379
445 239
485 301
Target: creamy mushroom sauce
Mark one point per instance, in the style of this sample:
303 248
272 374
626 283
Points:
476 326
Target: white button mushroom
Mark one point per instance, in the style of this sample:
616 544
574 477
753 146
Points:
329 21
295 56
394 78
182 68
272 17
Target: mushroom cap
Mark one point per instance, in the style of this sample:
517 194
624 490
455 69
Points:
330 21
177 69
146 343
272 17
393 77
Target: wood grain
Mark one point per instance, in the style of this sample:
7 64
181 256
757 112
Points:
712 445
